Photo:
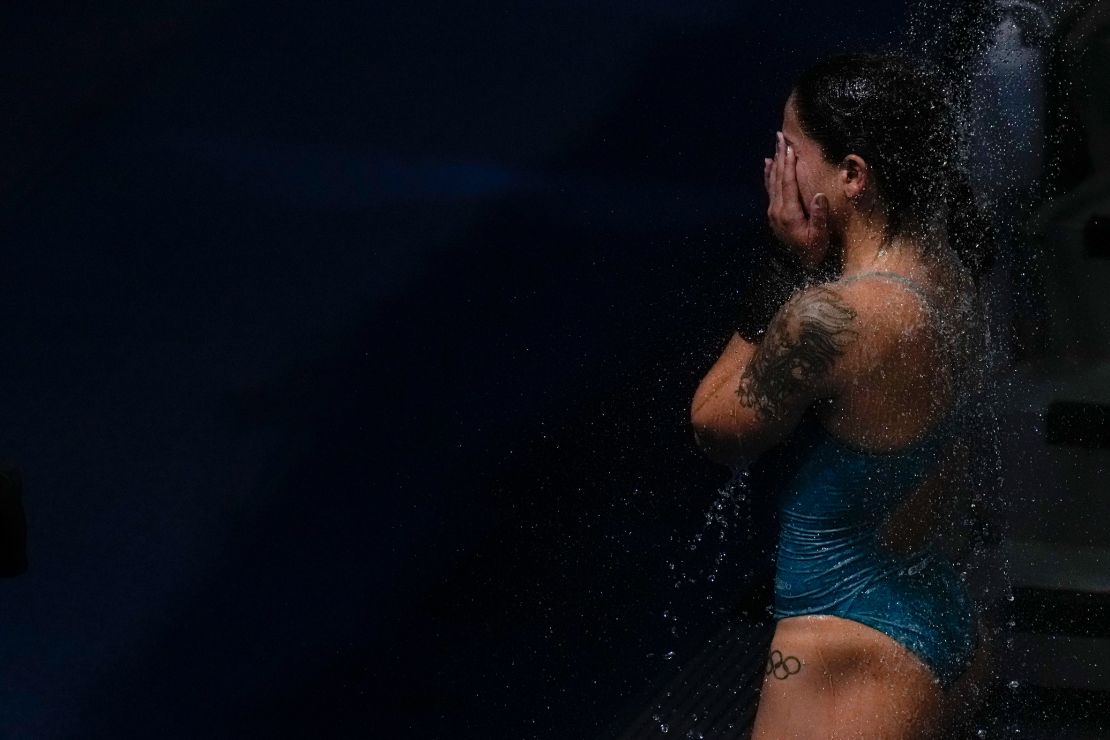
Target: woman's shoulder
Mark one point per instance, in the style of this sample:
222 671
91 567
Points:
820 318
877 310
881 332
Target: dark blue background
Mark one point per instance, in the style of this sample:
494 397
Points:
349 349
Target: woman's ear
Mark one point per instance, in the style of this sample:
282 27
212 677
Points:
855 176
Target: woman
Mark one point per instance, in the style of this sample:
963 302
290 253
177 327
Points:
860 374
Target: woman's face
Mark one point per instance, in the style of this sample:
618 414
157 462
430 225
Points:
815 174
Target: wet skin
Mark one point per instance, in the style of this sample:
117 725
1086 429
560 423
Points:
881 374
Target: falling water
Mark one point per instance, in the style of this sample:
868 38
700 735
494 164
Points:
1001 64
1008 66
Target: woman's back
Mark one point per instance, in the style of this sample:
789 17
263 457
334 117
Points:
837 497
863 381
913 360
857 498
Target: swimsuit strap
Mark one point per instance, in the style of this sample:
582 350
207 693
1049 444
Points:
960 402
900 279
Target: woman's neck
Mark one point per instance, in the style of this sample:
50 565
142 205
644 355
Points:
865 249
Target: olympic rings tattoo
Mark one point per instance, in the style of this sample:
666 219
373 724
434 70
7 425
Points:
781 667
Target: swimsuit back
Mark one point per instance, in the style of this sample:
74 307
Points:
832 505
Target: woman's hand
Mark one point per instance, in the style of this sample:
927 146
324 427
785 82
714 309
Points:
807 237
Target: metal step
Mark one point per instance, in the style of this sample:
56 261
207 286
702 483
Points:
714 695
1059 567
1060 661
1061 616
1056 454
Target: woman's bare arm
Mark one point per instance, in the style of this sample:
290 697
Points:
754 395
715 393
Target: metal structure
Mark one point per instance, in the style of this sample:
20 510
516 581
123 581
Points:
1056 448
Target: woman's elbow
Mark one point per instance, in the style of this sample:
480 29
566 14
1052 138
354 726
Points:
713 443
722 438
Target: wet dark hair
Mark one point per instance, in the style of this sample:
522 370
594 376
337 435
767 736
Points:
895 112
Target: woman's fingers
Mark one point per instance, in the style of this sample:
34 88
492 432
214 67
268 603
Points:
819 219
816 242
801 226
776 174
773 192
776 177
791 198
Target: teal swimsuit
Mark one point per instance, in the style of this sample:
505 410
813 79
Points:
831 507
